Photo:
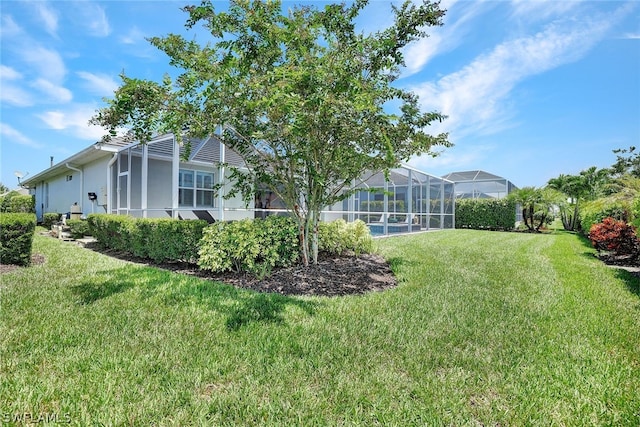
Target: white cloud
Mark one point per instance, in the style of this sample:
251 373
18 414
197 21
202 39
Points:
443 39
94 18
453 159
541 9
10 90
12 135
632 36
15 95
476 98
100 84
48 16
9 28
8 73
75 121
133 36
55 92
47 63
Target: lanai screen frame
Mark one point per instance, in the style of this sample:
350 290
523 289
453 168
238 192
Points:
381 203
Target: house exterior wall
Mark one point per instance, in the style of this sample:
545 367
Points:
57 194
62 193
407 200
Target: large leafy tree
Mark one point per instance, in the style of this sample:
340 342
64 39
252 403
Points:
306 99
627 162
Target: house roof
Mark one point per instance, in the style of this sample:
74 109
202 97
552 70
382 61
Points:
202 151
192 150
398 176
477 175
88 155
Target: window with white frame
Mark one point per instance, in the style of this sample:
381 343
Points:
195 189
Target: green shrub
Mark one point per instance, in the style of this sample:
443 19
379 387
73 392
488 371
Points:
16 237
17 203
280 235
157 239
253 246
79 228
492 214
596 211
339 237
49 219
167 239
635 212
112 231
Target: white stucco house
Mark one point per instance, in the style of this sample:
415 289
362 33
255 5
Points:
162 179
151 180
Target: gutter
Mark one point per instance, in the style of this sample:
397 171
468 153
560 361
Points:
108 189
81 182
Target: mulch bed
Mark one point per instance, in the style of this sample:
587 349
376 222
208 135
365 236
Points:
627 262
332 276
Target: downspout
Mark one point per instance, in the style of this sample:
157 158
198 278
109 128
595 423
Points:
109 184
81 183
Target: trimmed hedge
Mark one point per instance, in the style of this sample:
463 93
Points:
160 240
167 239
112 231
491 214
16 237
17 203
79 228
49 219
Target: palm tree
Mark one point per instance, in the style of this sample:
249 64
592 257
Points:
594 182
574 188
535 203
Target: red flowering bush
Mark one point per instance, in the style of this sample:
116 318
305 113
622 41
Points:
615 236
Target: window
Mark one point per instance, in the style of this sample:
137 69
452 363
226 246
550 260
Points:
195 189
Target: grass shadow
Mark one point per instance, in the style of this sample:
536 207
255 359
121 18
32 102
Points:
264 308
104 285
632 281
240 306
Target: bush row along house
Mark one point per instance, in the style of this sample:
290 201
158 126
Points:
161 179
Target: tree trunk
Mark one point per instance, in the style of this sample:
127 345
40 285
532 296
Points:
302 235
575 217
566 220
528 217
314 237
543 217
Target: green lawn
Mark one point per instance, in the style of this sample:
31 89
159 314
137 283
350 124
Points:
484 329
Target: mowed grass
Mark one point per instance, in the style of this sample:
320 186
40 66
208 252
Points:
484 329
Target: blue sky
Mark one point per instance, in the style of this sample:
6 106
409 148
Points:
532 89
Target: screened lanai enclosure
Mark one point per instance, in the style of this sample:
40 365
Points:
163 179
480 185
407 200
